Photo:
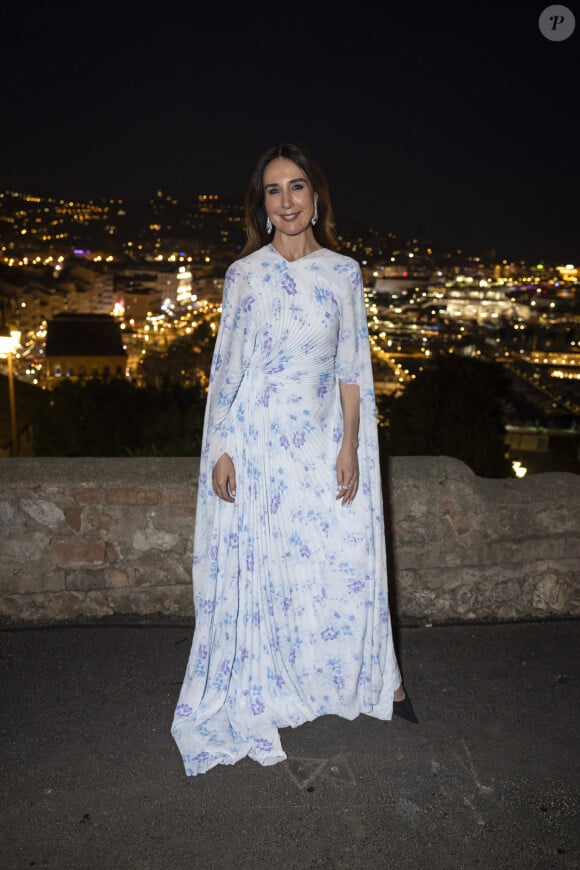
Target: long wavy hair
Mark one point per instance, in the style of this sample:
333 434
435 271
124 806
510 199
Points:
255 211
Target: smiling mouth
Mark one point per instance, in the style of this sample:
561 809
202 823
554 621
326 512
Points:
288 217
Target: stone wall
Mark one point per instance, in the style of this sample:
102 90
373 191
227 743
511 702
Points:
86 539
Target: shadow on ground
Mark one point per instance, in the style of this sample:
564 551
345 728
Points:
91 778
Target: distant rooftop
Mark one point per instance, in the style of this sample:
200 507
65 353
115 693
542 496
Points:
84 335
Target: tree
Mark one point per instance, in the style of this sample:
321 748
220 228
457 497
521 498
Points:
115 418
455 407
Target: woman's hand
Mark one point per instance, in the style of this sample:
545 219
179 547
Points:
223 478
347 473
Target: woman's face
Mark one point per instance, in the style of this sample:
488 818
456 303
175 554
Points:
288 197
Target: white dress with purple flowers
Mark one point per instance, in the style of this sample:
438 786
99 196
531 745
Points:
290 586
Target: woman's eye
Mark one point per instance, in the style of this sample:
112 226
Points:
272 190
298 186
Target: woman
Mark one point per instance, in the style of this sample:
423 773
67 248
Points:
289 568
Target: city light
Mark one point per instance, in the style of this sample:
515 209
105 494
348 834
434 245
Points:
422 304
9 342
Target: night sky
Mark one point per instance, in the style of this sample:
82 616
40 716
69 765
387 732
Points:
457 126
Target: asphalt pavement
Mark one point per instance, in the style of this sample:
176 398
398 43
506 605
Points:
90 776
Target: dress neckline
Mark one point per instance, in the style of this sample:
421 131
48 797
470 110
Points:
299 259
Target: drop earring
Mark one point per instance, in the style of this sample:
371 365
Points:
269 227
314 218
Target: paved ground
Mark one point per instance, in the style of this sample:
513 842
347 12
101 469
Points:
90 776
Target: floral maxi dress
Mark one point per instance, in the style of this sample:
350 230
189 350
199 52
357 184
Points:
290 586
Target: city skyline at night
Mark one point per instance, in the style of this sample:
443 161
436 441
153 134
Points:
156 269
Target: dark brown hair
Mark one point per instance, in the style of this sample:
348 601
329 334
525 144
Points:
255 212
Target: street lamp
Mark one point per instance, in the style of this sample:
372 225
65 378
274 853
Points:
9 341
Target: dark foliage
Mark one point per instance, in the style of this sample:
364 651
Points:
455 407
115 418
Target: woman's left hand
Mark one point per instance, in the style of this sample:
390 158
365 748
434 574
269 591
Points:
347 473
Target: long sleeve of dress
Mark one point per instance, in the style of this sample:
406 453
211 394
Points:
231 358
354 365
353 350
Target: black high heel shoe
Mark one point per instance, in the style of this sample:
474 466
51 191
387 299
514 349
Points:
404 709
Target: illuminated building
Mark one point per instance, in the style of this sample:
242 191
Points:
81 346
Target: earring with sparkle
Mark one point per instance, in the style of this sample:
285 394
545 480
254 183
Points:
314 218
269 226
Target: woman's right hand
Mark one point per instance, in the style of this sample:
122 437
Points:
223 478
